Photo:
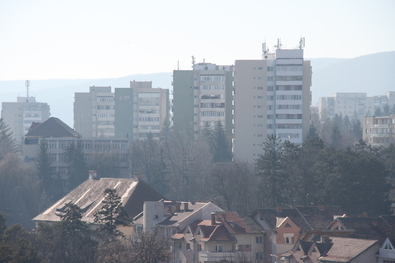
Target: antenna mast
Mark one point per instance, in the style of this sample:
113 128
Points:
301 43
278 46
27 84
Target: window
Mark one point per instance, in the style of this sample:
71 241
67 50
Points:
259 239
218 248
199 247
188 246
258 256
288 238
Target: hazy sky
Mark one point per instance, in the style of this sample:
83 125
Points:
50 39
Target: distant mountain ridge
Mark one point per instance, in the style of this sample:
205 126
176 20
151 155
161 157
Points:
373 74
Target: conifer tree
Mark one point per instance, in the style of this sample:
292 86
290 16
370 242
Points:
112 213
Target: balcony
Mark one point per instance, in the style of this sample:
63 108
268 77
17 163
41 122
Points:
216 256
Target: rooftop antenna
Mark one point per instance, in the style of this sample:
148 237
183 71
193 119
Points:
301 43
278 46
27 84
264 48
193 61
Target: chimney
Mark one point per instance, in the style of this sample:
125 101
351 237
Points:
325 239
212 218
185 206
93 175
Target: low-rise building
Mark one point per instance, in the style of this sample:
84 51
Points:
379 131
90 194
58 136
226 237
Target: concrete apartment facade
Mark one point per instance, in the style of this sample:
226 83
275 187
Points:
202 97
132 112
379 131
21 114
353 104
271 96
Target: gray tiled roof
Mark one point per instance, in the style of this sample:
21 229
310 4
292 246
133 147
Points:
89 196
53 127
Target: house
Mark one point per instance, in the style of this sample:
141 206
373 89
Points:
387 251
226 237
284 226
333 249
89 196
171 216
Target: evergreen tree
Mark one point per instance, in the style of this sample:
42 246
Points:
336 137
112 213
312 132
270 169
220 147
7 143
43 165
71 218
78 170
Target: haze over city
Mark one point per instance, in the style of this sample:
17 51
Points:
100 39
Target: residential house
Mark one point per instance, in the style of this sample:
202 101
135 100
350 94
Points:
226 237
333 249
284 226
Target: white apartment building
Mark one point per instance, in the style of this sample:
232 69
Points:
271 96
203 96
132 112
21 114
94 112
354 104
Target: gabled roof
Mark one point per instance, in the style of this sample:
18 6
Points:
306 218
366 227
53 127
238 225
346 249
180 216
89 196
220 233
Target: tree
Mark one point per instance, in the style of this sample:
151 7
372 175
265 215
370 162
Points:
232 186
43 165
312 132
78 170
151 247
148 158
18 245
112 213
270 169
219 145
71 218
7 143
19 191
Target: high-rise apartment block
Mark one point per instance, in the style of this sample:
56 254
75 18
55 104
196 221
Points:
271 96
202 97
132 112
21 114
353 104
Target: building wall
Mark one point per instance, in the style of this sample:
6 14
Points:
354 104
203 96
132 112
21 114
379 131
271 96
183 99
